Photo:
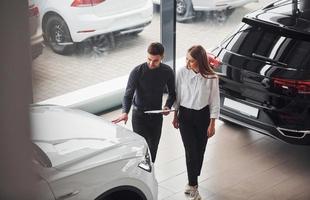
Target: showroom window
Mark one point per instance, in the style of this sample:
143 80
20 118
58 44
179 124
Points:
87 44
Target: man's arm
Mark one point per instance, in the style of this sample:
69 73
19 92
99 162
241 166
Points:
171 90
130 90
127 99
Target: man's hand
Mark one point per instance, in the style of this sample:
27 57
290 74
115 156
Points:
122 117
166 112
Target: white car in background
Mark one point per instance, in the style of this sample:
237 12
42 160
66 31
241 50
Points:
187 9
65 23
80 156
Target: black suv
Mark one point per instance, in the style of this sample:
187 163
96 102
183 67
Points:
265 72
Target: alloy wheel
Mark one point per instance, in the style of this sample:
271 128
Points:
57 34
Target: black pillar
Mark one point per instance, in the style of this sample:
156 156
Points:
167 30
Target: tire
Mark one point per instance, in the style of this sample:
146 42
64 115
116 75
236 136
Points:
57 33
184 10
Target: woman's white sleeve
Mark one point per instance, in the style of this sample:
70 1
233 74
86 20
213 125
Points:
215 99
176 104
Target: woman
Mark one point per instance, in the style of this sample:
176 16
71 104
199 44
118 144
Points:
197 106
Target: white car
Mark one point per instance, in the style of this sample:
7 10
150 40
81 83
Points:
186 9
80 156
65 23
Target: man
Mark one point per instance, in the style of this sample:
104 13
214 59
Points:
144 91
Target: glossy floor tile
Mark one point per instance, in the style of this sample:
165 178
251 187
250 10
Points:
239 164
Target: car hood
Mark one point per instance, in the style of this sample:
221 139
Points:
70 137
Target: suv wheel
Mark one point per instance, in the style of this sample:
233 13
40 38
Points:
58 35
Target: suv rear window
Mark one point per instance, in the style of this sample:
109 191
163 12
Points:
293 52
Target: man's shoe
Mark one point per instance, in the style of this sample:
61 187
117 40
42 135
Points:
189 189
194 195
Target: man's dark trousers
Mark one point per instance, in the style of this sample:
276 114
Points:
148 126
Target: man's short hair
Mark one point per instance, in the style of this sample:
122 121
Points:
156 48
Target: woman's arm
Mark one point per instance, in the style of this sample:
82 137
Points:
214 99
211 128
214 106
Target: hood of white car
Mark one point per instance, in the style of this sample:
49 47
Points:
71 137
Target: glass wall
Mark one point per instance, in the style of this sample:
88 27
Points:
101 41
208 26
86 44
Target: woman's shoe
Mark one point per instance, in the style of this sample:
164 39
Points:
194 195
189 189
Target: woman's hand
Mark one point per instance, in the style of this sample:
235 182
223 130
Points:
211 128
175 121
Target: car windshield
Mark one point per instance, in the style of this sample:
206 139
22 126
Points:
266 45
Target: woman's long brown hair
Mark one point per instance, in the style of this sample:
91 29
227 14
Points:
200 55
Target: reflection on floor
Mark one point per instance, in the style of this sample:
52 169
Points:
239 164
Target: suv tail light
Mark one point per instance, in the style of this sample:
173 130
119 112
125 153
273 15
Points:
213 60
86 3
299 86
33 11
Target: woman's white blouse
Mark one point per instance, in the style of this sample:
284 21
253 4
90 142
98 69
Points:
195 91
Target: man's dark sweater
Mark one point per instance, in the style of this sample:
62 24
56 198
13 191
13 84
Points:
146 86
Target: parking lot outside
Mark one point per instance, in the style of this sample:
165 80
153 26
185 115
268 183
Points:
54 74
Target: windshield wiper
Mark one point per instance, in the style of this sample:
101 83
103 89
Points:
268 59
